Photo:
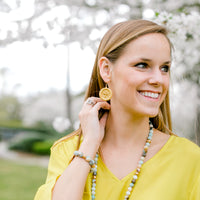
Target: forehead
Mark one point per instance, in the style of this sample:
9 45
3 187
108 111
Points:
149 45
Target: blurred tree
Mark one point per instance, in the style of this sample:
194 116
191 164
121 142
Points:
52 21
63 21
175 6
185 36
3 73
10 108
184 24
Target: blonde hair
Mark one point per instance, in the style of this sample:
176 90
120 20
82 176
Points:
111 46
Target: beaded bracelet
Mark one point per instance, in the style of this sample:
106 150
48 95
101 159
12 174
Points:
86 158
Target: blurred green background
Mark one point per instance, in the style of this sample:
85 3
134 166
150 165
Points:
20 181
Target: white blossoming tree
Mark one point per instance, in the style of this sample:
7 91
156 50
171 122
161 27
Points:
174 6
63 21
185 36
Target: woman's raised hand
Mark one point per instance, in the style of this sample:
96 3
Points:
92 127
71 183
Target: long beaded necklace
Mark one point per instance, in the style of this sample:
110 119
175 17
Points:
137 172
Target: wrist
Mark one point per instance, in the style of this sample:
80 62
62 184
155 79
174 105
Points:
91 141
80 154
89 147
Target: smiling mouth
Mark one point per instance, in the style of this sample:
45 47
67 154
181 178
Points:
153 95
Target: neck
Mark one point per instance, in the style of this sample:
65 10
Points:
124 128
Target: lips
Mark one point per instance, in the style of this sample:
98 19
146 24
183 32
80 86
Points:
153 95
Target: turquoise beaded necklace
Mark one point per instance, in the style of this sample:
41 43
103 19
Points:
136 174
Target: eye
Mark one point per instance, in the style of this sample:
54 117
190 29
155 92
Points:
165 68
141 65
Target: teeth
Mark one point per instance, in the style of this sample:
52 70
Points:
150 94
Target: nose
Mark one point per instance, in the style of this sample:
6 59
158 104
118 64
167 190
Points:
156 77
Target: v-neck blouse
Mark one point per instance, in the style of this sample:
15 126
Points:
103 165
173 173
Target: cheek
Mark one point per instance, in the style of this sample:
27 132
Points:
165 89
127 80
166 84
127 88
121 83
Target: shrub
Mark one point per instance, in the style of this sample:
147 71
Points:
25 141
35 142
42 148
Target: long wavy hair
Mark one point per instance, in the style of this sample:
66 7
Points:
111 46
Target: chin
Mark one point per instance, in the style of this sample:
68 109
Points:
152 113
144 111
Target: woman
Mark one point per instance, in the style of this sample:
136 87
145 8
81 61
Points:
126 149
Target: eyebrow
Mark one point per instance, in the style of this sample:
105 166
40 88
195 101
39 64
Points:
149 60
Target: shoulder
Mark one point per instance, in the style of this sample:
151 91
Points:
184 149
185 145
177 148
68 142
176 143
62 151
187 155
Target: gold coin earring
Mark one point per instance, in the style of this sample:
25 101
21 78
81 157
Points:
105 93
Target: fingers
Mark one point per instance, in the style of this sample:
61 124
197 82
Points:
95 103
92 126
102 104
104 119
92 101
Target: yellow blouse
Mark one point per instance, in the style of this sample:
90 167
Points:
172 174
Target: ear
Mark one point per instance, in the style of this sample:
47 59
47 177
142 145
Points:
105 68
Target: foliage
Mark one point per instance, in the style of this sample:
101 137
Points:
35 142
55 22
26 142
175 6
12 124
42 148
185 36
20 181
184 33
18 126
42 125
51 20
60 22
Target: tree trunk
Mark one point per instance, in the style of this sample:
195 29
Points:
198 127
68 88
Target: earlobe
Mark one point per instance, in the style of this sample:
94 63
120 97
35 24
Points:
105 69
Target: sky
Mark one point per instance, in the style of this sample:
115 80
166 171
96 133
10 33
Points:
33 68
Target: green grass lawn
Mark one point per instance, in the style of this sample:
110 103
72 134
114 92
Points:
19 181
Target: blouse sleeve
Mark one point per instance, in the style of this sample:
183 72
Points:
195 195
59 160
